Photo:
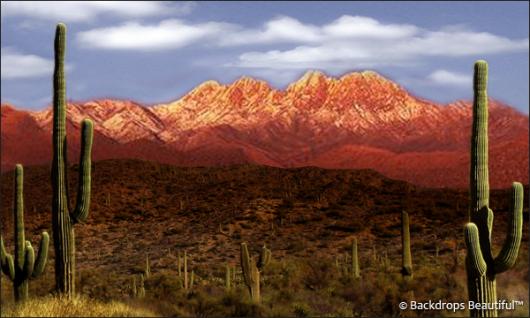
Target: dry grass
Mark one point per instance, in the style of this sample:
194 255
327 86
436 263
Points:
78 307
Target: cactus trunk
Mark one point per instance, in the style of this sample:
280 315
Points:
20 283
185 271
255 288
406 268
481 266
62 219
355 261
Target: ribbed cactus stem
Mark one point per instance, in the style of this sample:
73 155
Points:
234 276
147 271
179 264
185 271
406 268
479 140
6 261
63 219
481 266
354 259
24 265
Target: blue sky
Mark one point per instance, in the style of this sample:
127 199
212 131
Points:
155 52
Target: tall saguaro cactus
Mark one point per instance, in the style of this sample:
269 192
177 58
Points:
24 266
252 270
63 218
481 266
406 268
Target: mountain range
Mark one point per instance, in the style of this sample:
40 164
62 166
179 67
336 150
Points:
360 120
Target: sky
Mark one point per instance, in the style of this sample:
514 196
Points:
155 52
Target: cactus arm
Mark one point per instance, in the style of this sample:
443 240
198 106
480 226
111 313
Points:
6 261
42 257
475 261
506 258
80 212
8 267
29 261
264 258
3 252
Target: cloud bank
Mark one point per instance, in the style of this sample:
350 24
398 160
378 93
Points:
85 11
352 41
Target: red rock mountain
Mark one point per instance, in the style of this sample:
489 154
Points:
361 120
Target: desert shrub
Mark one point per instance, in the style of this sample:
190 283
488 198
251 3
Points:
318 274
301 310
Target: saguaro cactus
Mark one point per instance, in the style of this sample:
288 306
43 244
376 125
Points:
141 287
179 264
63 218
252 270
406 268
355 260
24 266
227 277
481 266
185 270
147 270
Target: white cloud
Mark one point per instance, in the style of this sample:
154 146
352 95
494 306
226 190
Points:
84 11
277 30
284 29
354 41
167 34
444 77
345 43
365 27
17 65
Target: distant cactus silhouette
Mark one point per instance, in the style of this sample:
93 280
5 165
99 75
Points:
24 266
64 219
481 266
186 286
406 268
227 277
251 270
147 270
141 287
355 260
